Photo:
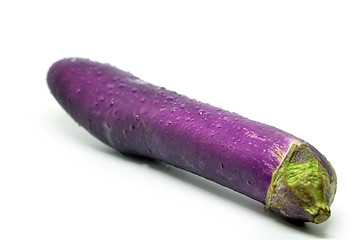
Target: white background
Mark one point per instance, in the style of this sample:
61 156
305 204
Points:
292 64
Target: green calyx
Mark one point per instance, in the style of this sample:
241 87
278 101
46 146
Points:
307 181
302 188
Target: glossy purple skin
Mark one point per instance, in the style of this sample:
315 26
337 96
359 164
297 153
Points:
139 118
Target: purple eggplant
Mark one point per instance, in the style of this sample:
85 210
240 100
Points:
283 172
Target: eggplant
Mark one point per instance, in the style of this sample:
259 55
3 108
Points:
283 172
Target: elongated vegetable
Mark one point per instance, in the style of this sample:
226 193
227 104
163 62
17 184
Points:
267 164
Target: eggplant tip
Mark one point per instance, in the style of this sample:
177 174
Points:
302 188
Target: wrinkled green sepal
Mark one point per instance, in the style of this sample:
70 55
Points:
302 188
